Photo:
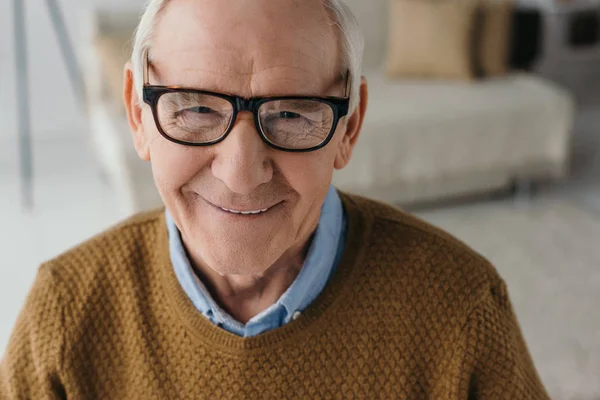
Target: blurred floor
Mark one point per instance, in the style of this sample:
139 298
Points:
546 249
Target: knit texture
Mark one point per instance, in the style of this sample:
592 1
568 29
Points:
411 313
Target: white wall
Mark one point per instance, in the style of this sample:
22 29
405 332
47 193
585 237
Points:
55 111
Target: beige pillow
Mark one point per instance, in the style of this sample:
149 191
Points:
113 52
432 39
494 39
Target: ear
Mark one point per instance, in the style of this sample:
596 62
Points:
134 114
353 127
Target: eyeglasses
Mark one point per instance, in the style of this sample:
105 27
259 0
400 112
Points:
200 118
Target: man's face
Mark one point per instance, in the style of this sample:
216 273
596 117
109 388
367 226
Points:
247 48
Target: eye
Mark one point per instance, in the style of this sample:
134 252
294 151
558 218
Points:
289 115
200 110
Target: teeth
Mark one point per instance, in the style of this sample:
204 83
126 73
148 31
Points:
244 212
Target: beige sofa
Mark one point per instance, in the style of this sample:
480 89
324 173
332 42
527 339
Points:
426 140
422 141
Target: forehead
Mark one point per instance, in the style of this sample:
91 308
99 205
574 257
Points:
246 47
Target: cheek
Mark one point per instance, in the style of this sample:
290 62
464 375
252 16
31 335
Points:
309 174
174 165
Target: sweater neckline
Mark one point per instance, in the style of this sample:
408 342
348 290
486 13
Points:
313 318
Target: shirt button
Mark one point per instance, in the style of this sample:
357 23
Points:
296 315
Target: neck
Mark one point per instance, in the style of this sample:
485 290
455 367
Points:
244 296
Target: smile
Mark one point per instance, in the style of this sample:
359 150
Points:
251 212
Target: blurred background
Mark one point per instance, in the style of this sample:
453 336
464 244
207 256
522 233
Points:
484 119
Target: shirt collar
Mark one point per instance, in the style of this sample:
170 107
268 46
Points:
320 260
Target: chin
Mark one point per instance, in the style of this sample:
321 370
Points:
242 253
239 264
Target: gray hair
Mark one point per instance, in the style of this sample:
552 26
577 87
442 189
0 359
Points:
351 37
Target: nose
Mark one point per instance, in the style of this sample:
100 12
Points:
241 160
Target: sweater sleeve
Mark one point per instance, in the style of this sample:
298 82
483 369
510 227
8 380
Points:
30 366
497 363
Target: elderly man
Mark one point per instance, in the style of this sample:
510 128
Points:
259 280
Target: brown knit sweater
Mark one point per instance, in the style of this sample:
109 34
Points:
410 314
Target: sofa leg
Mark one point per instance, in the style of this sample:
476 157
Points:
523 189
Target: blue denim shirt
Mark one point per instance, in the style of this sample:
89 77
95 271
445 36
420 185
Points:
323 256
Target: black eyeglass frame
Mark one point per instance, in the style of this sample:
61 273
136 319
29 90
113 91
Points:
152 94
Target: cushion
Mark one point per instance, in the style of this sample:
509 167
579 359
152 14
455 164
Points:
494 39
431 39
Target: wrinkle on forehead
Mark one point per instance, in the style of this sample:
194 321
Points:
199 46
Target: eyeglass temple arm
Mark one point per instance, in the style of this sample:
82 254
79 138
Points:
348 84
145 69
